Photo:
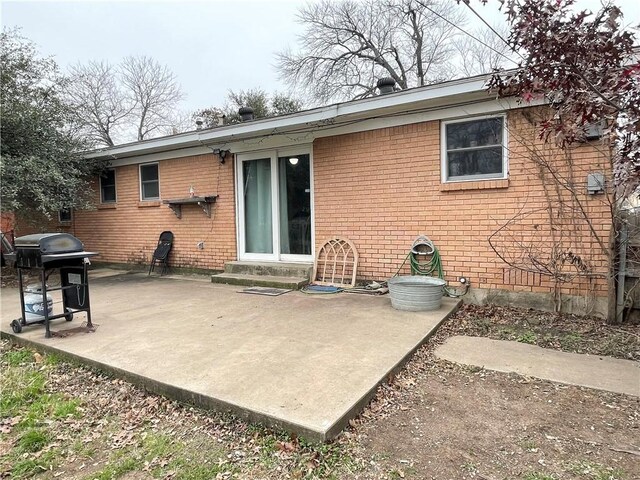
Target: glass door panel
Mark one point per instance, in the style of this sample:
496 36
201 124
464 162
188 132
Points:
294 187
258 218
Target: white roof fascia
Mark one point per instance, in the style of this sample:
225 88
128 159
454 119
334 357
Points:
356 109
446 111
403 98
219 133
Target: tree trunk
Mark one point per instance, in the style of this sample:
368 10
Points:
612 284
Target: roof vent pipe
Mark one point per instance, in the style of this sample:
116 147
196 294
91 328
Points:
246 113
386 85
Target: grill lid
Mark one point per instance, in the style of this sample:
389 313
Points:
49 243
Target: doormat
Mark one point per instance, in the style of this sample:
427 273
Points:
270 292
72 331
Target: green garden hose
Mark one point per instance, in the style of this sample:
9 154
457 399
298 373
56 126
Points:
431 266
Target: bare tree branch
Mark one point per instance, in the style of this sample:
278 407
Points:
108 101
99 104
476 58
348 45
154 91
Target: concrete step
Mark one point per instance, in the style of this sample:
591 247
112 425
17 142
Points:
273 281
273 269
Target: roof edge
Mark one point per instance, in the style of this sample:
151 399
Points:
305 117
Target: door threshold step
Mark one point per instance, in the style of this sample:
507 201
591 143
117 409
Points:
274 269
294 283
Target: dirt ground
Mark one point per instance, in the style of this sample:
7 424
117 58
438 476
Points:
438 420
433 420
456 423
570 333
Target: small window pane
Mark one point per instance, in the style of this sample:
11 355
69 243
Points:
108 177
108 194
64 215
476 133
149 172
487 161
150 190
108 186
149 182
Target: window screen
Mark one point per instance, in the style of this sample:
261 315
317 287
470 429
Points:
474 149
108 186
149 182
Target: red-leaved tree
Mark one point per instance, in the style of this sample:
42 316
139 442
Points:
586 66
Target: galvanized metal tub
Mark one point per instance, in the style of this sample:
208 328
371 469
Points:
416 293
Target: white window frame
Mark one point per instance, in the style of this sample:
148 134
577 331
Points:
60 220
154 199
115 185
444 163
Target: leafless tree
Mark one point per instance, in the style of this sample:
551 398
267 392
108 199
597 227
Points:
476 58
154 91
180 121
559 235
349 44
98 101
109 101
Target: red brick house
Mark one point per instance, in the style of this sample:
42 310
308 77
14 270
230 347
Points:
447 161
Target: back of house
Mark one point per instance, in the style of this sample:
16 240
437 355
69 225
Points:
527 223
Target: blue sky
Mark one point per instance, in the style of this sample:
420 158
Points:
212 46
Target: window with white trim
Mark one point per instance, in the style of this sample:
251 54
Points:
149 182
474 149
108 186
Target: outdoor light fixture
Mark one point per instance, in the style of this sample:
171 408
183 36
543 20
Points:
293 160
221 153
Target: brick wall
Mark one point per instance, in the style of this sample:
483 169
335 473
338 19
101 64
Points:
7 221
128 230
382 188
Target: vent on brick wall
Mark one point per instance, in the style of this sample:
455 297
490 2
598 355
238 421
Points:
513 276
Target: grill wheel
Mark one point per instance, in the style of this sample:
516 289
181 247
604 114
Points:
16 326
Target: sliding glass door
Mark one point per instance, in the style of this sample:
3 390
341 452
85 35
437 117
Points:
258 215
294 190
275 206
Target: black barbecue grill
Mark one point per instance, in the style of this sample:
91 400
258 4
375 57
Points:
47 252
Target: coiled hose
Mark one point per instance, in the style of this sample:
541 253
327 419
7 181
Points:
431 265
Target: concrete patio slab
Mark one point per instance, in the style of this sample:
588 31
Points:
599 372
301 362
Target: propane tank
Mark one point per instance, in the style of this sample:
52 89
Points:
34 305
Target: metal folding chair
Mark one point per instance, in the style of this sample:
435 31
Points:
161 253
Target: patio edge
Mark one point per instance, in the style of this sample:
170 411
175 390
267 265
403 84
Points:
172 392
340 424
206 402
